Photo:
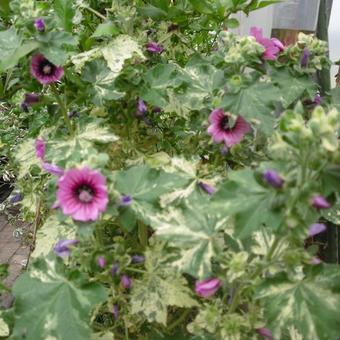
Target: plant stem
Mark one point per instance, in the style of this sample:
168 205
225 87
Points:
272 249
236 300
99 15
136 270
143 234
63 109
178 321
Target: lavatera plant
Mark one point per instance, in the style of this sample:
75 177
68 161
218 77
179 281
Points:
176 174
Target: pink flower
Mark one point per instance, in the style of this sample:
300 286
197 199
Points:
44 71
82 194
222 130
320 202
40 148
207 287
272 46
153 47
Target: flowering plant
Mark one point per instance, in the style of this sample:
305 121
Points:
174 171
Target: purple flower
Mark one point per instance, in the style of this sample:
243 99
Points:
273 178
141 107
209 189
101 262
115 312
125 281
53 169
265 332
114 269
126 200
316 228
44 71
319 202
222 130
207 287
40 148
82 194
30 99
316 261
16 198
39 24
63 247
304 57
272 46
153 47
137 259
317 99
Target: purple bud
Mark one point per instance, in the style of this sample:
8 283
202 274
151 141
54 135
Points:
316 261
72 114
31 98
53 169
156 110
126 200
40 148
39 24
304 58
137 259
207 287
319 202
63 247
224 150
273 178
316 228
125 281
24 107
115 312
317 99
141 107
153 47
209 189
114 269
265 332
101 262
16 198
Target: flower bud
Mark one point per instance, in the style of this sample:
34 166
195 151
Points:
63 247
207 287
209 189
273 178
126 200
137 259
114 269
153 47
101 262
316 228
319 202
39 24
265 333
40 148
125 281
304 58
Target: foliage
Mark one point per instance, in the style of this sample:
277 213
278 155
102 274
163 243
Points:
141 83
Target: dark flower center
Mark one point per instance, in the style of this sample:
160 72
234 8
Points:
84 194
224 124
46 68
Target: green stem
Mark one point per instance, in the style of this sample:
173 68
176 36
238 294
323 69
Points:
236 300
99 15
143 234
63 109
178 321
135 270
272 249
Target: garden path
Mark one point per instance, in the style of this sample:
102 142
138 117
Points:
13 252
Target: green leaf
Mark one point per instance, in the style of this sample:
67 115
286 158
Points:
4 329
65 12
232 23
310 305
202 6
153 12
196 231
249 202
64 298
26 157
94 133
106 28
146 185
159 288
50 233
56 46
336 97
255 103
12 49
102 82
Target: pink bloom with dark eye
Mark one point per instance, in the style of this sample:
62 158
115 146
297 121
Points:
272 46
319 202
82 194
44 71
40 148
222 130
53 169
153 47
207 287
